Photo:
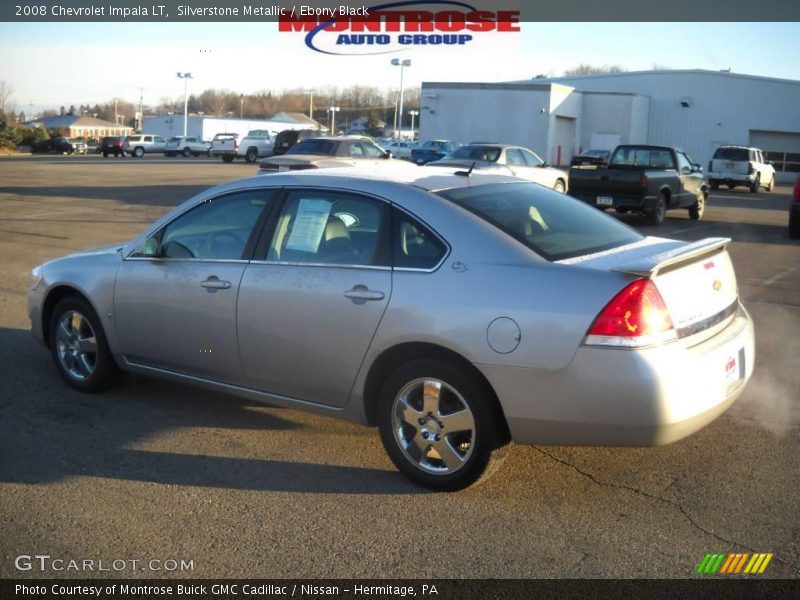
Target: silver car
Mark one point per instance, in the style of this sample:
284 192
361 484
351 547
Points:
509 160
457 313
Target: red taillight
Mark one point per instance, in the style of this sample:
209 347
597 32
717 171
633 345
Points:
644 181
301 167
236 144
636 317
796 195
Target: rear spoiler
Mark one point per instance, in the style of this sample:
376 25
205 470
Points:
651 266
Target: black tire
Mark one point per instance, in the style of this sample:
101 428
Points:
715 185
656 216
187 152
731 186
483 449
138 152
195 154
227 158
755 185
105 370
771 184
794 227
696 212
105 154
252 155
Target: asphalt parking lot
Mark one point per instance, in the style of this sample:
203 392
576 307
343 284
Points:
152 470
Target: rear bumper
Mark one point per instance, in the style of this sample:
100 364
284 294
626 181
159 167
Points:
614 397
726 178
643 203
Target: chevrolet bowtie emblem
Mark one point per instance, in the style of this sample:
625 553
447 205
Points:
717 285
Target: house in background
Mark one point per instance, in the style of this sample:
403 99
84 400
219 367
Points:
78 126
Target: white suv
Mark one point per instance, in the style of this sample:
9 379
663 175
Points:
740 165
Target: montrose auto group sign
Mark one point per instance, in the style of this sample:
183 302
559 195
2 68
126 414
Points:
395 26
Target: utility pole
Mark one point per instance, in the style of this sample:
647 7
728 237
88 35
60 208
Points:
116 118
141 108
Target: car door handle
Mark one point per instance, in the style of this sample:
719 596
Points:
361 292
215 283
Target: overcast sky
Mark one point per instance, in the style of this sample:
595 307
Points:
54 64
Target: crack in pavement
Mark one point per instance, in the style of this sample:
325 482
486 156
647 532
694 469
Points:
622 486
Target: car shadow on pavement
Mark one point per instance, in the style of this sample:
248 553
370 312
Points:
50 432
140 195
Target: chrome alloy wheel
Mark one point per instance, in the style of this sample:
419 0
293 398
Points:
433 426
76 345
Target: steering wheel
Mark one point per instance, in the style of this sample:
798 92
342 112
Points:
225 239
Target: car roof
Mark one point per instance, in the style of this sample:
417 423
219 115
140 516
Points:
426 178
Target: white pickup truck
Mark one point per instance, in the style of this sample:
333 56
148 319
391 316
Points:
225 145
257 144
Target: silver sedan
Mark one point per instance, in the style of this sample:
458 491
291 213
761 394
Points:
457 313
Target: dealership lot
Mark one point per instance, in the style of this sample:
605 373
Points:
154 470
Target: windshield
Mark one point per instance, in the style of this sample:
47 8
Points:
326 147
487 153
432 144
550 224
732 154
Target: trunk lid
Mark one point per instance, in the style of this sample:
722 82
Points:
696 280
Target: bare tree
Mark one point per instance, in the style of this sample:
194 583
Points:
584 69
6 91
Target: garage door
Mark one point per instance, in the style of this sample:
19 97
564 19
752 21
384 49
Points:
782 148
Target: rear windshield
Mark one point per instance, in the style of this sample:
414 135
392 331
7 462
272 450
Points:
551 224
732 154
488 153
652 158
314 147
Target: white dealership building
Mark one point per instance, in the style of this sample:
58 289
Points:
695 110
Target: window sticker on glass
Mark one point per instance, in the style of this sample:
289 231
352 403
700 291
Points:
309 225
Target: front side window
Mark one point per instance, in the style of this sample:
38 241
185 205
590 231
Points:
684 163
552 225
330 227
217 229
514 157
372 151
531 159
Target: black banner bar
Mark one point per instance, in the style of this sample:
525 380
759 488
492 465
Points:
701 588
272 10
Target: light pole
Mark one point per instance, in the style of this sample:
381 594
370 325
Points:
310 103
413 114
241 106
402 64
333 110
186 77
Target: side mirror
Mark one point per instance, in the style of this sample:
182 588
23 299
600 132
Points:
387 154
687 170
697 168
544 165
150 249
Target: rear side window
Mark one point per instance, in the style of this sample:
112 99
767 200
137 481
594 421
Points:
737 154
414 245
550 224
135 138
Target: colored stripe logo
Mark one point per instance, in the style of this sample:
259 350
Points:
734 563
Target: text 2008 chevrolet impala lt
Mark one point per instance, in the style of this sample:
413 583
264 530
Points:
456 312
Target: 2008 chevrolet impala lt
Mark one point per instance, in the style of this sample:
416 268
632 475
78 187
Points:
455 311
